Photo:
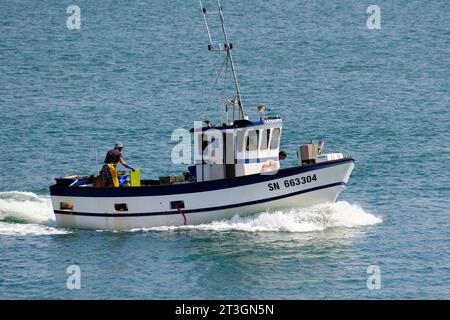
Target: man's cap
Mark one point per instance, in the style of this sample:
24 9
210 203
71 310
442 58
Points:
118 145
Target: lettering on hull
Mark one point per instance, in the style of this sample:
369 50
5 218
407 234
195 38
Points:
288 183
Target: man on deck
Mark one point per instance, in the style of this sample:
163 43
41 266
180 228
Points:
108 175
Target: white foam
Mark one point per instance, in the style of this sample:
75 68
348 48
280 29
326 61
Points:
34 213
21 229
27 206
316 218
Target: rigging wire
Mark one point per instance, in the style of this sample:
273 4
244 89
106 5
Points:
213 87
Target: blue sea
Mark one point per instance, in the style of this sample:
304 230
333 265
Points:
137 70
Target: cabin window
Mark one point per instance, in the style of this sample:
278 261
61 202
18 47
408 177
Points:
66 205
240 141
252 140
215 143
120 207
275 138
204 143
265 135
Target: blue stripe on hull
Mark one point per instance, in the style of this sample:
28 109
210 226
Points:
256 160
242 204
194 187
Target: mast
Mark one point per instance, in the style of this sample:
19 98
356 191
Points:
227 47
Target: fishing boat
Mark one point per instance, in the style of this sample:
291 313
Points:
236 170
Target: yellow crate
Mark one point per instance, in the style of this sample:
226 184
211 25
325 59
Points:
135 178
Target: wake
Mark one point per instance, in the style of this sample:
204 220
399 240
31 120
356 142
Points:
25 213
316 218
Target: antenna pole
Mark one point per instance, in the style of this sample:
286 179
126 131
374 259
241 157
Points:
206 24
227 47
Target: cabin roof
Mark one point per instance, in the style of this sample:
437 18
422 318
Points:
245 124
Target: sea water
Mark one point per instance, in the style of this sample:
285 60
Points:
133 72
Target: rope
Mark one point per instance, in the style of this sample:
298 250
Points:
182 214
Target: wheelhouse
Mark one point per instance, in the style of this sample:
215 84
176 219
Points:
237 150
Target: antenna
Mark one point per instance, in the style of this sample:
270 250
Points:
227 47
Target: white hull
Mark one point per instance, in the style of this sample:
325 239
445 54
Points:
324 185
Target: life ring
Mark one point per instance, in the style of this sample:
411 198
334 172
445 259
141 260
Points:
270 166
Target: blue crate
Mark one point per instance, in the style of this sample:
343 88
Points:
124 179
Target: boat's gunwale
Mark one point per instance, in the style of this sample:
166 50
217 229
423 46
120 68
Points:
193 187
